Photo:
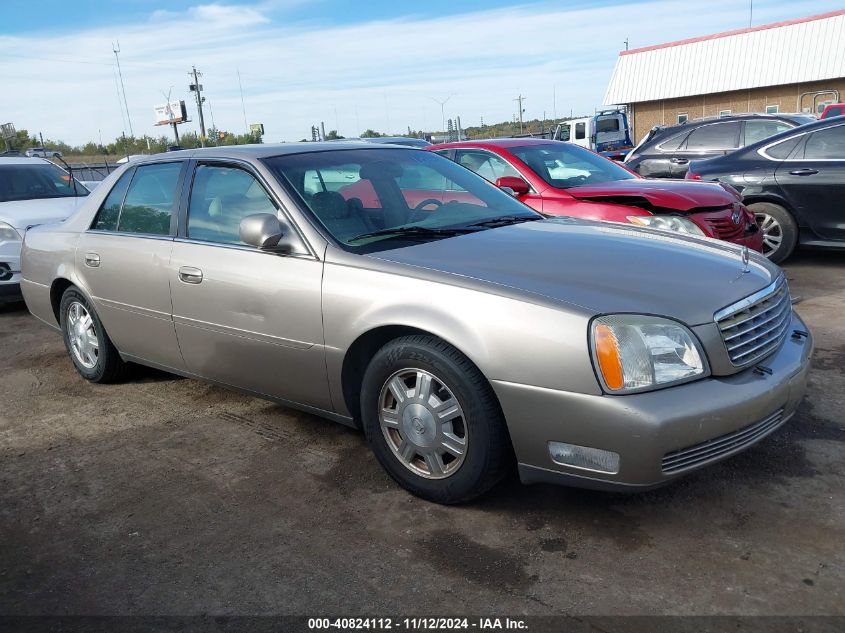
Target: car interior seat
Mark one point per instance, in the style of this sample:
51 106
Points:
342 219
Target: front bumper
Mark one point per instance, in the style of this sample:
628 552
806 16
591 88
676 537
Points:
10 272
754 241
714 418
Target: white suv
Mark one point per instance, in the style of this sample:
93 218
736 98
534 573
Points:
42 152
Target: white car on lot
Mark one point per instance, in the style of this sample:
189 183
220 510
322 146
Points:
42 152
32 191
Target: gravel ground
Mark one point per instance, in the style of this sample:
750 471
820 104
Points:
165 495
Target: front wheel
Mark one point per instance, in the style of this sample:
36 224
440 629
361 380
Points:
90 348
780 231
433 420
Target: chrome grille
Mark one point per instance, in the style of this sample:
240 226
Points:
757 325
705 451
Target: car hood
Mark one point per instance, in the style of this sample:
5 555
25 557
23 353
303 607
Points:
658 195
25 213
601 267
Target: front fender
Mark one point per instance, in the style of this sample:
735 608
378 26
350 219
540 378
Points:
508 338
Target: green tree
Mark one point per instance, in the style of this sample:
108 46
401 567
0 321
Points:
333 136
368 133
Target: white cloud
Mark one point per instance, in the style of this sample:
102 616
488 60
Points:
380 74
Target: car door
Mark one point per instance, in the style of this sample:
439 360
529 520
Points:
490 166
813 181
245 317
711 139
122 262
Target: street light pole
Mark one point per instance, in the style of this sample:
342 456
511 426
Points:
443 109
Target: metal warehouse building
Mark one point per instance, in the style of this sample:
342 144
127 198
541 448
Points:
794 66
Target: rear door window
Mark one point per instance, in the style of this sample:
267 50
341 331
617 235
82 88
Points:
828 144
759 130
714 136
149 203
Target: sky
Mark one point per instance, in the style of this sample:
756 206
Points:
354 65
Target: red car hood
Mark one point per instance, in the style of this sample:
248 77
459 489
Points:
656 195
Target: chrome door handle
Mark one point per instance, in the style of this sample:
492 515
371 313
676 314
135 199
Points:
804 172
92 260
190 275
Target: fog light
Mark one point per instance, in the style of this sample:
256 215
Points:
584 457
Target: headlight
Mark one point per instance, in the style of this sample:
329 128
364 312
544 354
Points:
637 353
667 223
8 233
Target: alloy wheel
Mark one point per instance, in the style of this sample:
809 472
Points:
82 336
772 232
423 423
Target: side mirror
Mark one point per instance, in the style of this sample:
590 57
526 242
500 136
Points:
516 184
262 230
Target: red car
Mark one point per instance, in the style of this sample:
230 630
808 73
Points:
559 178
833 109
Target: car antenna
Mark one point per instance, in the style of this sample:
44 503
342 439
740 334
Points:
70 173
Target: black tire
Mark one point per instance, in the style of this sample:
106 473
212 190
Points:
488 453
109 366
778 223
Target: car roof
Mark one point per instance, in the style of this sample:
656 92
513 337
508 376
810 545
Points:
496 142
801 129
264 150
22 160
745 116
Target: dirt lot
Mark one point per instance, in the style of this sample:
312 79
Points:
169 496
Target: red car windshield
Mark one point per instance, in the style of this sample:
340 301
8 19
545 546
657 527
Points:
563 165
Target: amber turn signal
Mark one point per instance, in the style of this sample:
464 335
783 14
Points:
607 354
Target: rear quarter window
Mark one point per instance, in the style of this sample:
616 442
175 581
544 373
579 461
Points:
109 212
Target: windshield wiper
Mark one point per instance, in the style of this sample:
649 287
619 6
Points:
414 231
504 220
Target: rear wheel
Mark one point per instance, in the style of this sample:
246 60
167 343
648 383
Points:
780 231
90 348
433 421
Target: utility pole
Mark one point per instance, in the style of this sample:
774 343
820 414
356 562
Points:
520 99
116 50
196 88
626 43
750 12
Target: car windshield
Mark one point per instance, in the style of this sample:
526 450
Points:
563 165
380 198
36 181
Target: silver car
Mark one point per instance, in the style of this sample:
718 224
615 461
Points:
393 290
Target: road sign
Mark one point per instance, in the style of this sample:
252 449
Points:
256 129
7 130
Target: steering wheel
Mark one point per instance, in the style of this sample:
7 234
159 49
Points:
415 213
